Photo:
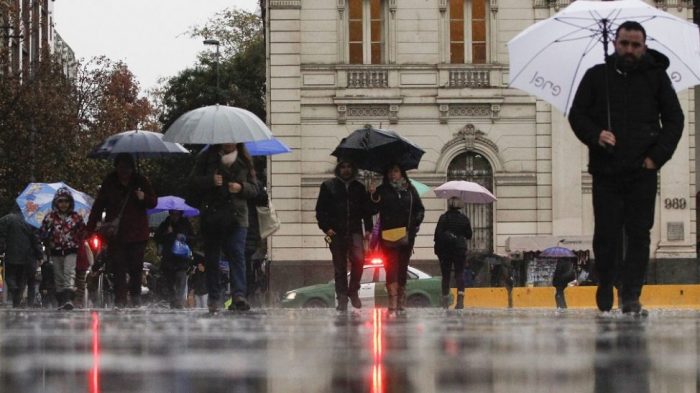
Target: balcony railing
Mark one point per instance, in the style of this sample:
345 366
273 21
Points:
551 3
367 79
469 78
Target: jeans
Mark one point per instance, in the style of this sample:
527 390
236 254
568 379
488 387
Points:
344 249
127 258
232 244
623 205
457 258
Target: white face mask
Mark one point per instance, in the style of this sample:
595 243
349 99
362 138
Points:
230 158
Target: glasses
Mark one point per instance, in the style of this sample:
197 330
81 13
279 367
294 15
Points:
633 44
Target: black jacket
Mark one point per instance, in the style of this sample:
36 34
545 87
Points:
343 206
455 222
166 240
396 208
646 116
201 182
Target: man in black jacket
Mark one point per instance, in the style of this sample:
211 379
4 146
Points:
646 123
341 209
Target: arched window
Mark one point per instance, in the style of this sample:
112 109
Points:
474 167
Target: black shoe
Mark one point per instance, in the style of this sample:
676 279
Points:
240 303
213 309
355 301
634 308
342 306
604 297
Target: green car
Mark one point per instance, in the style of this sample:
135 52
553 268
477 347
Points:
422 290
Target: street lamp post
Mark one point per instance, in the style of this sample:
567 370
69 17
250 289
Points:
216 43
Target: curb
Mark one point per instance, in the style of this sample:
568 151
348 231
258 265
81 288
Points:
653 296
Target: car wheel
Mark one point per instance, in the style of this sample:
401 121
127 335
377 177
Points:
315 303
417 301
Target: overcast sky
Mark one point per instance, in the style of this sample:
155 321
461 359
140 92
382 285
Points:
148 35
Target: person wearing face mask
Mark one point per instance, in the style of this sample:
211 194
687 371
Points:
225 178
627 113
125 195
401 212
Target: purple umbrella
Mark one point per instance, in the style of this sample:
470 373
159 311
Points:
170 202
557 252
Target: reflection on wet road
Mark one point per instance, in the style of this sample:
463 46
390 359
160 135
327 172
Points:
275 350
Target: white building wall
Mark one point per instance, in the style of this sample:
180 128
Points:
539 166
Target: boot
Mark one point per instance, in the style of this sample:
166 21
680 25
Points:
68 294
393 291
355 300
401 300
342 303
60 299
445 301
460 301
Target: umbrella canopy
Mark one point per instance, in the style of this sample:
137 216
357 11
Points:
374 149
467 191
36 199
420 187
139 143
216 124
557 252
268 147
549 58
167 203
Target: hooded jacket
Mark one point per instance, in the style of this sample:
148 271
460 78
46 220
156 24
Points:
19 241
343 205
645 114
62 233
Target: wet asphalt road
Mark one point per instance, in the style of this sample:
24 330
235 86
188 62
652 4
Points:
276 350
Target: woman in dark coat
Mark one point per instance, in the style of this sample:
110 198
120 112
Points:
224 176
451 234
126 188
400 211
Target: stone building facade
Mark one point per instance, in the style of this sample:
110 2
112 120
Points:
26 32
436 71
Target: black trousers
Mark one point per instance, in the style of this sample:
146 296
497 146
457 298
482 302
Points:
127 258
347 248
396 260
16 277
623 205
455 259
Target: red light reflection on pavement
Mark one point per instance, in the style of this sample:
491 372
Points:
377 367
94 375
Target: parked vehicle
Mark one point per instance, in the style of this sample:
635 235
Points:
422 290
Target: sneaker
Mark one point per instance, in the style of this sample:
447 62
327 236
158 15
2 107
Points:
355 301
604 297
240 303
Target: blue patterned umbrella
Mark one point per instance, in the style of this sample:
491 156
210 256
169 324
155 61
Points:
35 201
557 252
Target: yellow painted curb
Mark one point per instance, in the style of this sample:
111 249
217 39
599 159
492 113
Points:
653 296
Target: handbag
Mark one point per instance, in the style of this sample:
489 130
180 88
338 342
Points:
181 249
268 221
109 229
398 237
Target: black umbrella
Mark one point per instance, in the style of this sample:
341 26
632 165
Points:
139 143
375 149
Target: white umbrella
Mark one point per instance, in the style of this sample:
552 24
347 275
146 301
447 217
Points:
549 58
217 124
467 191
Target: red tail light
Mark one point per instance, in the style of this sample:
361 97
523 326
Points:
95 243
375 258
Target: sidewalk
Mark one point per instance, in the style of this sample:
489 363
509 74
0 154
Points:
653 296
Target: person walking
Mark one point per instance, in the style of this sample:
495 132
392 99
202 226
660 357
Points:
253 243
125 196
224 177
344 215
451 234
23 253
198 283
63 232
174 266
628 115
401 212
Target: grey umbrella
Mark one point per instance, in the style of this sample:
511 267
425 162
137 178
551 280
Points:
139 143
217 124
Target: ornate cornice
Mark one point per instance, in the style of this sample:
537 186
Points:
285 4
468 137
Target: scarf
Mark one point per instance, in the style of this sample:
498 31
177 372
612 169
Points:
399 185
